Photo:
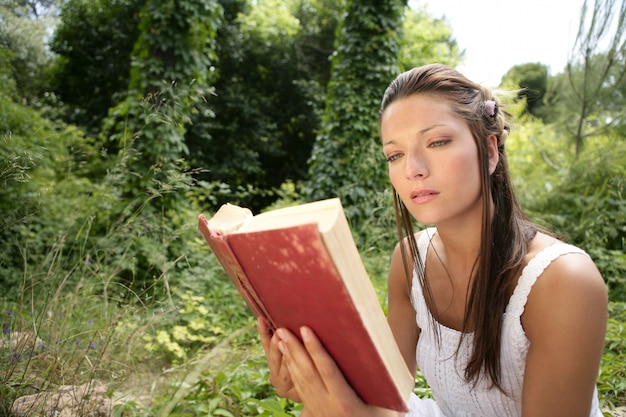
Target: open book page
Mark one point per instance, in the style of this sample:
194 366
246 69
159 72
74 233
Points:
234 219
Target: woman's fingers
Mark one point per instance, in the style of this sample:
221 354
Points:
310 365
318 380
315 379
326 366
279 374
304 374
265 333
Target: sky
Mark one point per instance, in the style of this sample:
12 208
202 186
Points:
498 34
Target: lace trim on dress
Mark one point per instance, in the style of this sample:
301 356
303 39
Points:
532 271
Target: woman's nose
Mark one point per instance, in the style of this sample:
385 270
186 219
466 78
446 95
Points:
415 167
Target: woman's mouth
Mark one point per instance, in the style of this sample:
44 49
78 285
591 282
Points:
423 196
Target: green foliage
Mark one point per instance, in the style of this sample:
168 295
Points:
194 325
24 59
240 388
532 80
590 209
67 191
595 71
61 326
33 9
176 43
273 65
269 21
612 380
7 82
41 166
170 76
93 42
584 106
346 159
581 198
426 40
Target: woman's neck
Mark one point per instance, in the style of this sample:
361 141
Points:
460 246
461 239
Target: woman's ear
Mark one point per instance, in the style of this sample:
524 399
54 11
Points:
494 155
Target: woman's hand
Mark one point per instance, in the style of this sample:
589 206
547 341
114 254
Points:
279 374
318 381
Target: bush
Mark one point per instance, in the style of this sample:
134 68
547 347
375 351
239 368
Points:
580 198
588 207
612 380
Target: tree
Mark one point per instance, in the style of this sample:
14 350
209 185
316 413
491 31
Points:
170 77
425 40
595 72
346 160
94 41
32 9
273 65
23 53
532 79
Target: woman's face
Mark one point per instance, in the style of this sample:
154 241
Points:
433 160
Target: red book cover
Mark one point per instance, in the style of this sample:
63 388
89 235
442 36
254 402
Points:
288 276
228 260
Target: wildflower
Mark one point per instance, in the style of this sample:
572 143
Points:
92 345
5 328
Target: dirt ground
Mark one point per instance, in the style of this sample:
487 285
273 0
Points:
619 412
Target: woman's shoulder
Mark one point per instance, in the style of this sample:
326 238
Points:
569 277
426 233
566 263
564 257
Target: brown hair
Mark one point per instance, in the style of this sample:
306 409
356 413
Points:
506 228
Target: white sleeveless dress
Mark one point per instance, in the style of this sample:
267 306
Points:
444 370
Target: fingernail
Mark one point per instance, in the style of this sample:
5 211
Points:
305 332
282 347
281 333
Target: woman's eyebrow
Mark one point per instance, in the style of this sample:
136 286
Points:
429 128
419 133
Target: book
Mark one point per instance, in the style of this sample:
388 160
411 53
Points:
299 266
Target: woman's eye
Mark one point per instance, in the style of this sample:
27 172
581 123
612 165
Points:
438 143
393 157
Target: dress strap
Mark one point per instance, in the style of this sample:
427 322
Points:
417 297
532 271
424 241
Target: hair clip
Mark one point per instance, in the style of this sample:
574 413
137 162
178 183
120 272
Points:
491 107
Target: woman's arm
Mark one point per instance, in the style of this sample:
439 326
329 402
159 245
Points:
565 320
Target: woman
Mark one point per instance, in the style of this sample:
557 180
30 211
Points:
502 319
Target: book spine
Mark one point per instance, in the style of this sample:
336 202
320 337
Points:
227 258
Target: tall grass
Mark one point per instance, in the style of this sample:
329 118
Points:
66 328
